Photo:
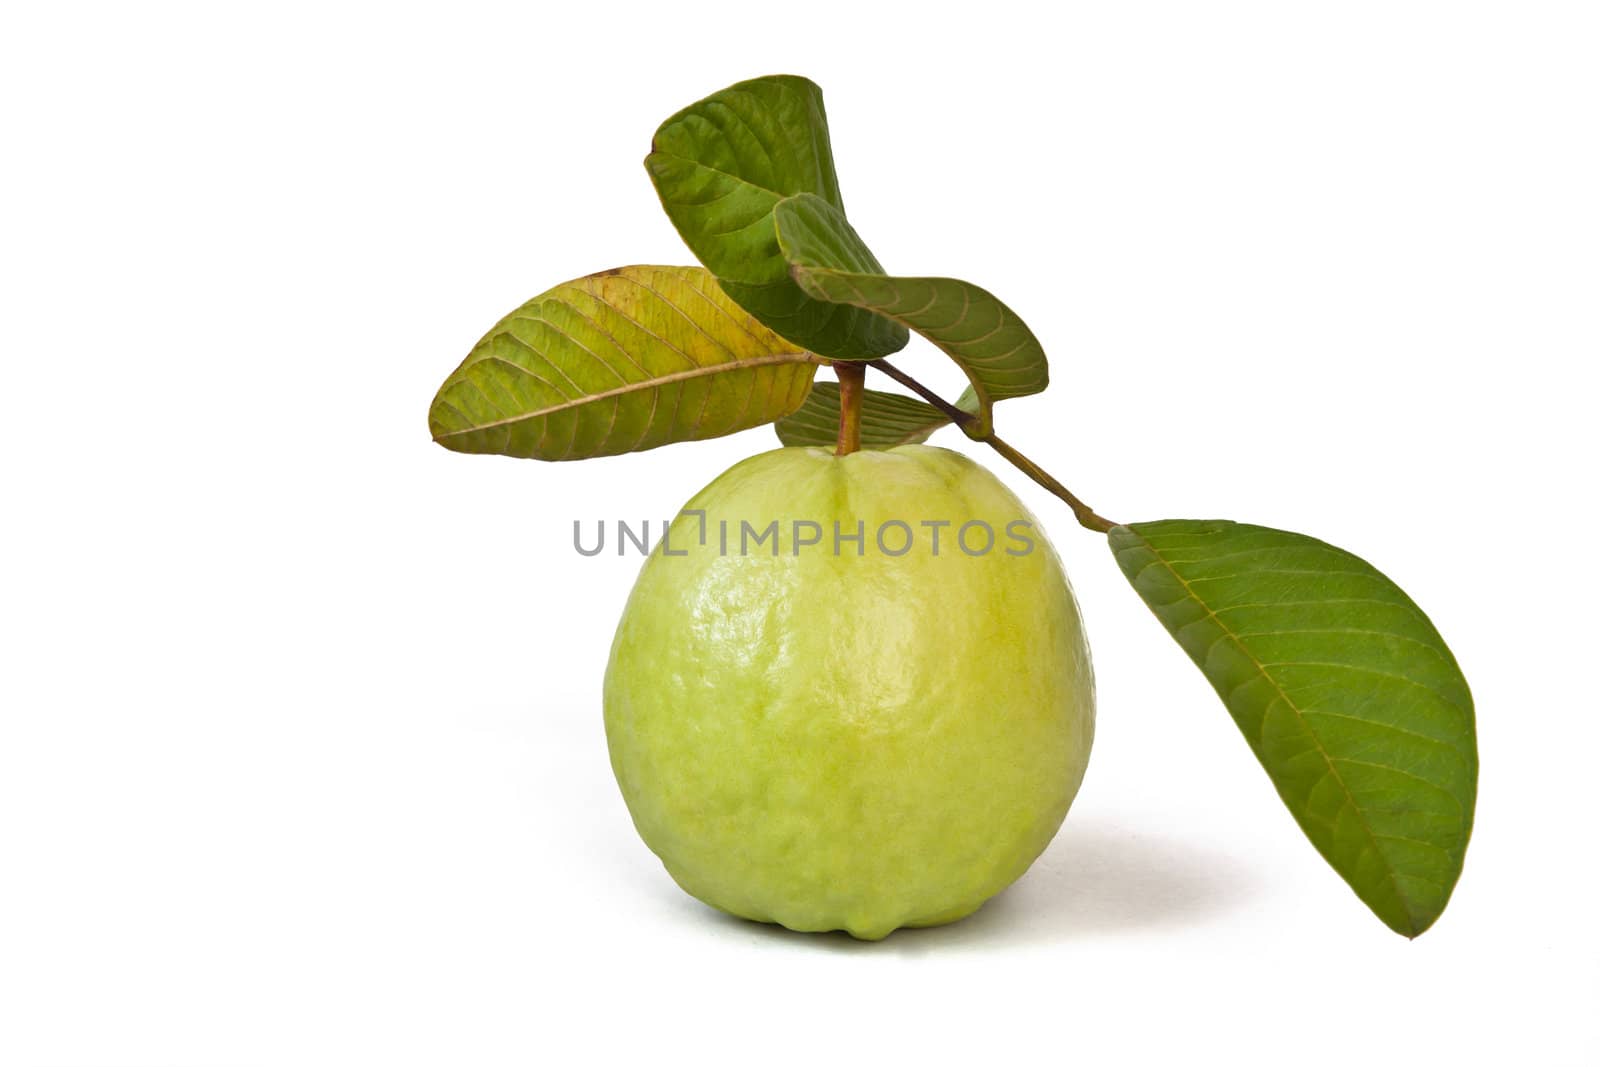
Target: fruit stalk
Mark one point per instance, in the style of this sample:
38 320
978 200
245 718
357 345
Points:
851 379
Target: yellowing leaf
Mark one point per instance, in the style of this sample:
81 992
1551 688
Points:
619 361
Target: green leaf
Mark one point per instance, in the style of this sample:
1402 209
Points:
887 419
993 346
1342 687
619 361
720 166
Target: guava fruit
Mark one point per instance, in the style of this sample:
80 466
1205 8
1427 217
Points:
850 735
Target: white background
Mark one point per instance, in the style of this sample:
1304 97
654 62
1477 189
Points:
302 759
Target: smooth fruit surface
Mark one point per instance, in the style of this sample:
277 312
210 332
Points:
860 740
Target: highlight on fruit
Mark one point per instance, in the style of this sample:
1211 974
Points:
812 729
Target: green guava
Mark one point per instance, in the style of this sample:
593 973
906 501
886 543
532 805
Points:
842 734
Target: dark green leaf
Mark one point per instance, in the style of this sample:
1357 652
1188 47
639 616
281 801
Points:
887 419
1342 687
720 166
990 342
619 361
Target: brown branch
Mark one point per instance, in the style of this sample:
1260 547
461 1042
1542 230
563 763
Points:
1085 515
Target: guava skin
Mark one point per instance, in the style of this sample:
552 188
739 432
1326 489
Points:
850 742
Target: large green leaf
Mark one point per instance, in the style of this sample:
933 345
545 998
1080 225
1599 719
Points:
1343 688
721 165
619 361
887 419
993 346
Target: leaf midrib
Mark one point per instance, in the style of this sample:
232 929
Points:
1333 770
634 387
776 194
